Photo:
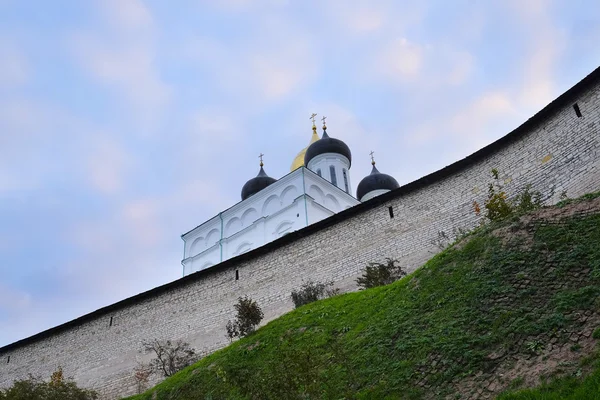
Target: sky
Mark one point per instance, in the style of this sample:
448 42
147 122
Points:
125 123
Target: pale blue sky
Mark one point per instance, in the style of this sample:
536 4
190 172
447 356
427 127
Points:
124 123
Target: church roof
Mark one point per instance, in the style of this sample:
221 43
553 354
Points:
375 181
299 159
256 184
325 145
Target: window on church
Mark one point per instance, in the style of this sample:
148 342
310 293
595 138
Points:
332 173
346 180
319 172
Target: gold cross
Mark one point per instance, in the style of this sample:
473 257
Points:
261 160
372 157
312 116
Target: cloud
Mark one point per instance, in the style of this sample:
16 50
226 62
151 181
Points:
121 54
129 68
14 68
243 5
400 60
260 70
128 14
107 162
358 16
544 48
13 301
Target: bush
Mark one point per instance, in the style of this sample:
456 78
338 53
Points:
247 318
498 206
377 274
59 388
141 373
312 291
170 357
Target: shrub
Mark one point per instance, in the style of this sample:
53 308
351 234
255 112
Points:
170 357
59 388
499 206
596 333
248 316
377 274
141 373
312 291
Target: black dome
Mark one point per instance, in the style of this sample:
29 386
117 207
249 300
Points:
375 181
327 145
256 184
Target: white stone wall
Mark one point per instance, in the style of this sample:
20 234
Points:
561 151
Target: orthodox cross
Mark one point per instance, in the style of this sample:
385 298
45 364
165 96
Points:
372 157
323 119
312 116
261 160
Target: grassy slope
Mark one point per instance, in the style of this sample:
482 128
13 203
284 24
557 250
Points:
419 337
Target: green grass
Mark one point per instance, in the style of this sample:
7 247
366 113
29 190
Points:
419 337
568 388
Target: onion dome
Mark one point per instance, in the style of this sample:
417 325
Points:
299 160
375 181
327 145
258 183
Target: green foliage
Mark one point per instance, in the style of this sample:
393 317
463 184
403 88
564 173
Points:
498 206
596 333
377 274
417 337
59 388
566 388
170 357
534 346
586 197
312 291
248 316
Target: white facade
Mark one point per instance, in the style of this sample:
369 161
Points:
298 199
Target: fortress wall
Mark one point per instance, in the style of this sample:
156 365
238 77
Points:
556 148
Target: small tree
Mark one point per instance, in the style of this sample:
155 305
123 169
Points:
248 316
312 291
59 388
170 356
377 274
141 374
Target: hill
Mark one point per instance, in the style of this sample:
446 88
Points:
512 305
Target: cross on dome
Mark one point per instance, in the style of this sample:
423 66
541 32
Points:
261 159
372 157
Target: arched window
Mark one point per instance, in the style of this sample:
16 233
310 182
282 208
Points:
332 173
345 180
319 172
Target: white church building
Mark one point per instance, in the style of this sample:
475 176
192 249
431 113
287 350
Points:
317 187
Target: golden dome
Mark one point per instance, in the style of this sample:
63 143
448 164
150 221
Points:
299 159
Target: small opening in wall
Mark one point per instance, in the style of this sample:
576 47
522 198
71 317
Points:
110 322
391 211
577 110
237 275
7 359
297 215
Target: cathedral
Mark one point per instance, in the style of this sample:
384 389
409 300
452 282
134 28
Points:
317 187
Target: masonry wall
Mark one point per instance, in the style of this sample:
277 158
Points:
101 350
